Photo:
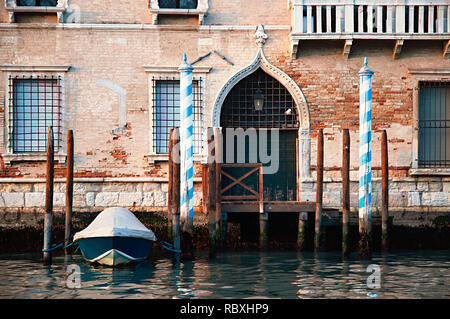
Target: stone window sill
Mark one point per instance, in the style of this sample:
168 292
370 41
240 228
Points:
429 171
152 158
40 9
180 12
38 157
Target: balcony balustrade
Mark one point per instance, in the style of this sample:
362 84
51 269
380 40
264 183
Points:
348 20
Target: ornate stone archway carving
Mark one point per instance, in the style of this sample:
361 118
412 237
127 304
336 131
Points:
261 61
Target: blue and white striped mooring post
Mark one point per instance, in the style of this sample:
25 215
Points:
186 149
365 160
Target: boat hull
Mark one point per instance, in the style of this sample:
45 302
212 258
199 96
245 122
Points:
113 251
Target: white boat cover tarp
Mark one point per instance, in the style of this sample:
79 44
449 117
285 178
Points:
116 222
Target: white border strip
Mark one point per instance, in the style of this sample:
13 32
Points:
136 27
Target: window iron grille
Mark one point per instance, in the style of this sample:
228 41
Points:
34 104
279 109
434 124
166 112
178 4
37 3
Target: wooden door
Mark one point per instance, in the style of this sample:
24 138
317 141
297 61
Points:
278 186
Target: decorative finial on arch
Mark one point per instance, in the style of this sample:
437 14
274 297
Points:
260 36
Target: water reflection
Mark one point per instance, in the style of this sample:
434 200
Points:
233 275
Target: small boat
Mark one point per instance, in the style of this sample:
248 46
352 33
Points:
115 237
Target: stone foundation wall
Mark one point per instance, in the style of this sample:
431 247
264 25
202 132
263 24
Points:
431 194
90 196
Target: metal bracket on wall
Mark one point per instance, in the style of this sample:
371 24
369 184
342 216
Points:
208 54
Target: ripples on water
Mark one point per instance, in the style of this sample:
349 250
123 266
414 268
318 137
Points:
233 275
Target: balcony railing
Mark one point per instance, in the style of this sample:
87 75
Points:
418 17
370 19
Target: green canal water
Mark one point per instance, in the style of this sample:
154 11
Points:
417 274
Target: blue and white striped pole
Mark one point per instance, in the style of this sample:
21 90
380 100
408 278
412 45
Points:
186 148
365 159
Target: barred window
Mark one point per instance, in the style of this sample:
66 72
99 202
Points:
34 104
37 3
178 4
166 113
434 124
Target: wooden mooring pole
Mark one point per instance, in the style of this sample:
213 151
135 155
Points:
48 216
211 204
221 221
69 192
384 193
263 215
220 236
345 192
187 162
170 188
204 188
176 187
302 216
318 238
365 163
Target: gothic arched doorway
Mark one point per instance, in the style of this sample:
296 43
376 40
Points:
279 111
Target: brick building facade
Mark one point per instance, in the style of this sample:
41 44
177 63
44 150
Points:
102 63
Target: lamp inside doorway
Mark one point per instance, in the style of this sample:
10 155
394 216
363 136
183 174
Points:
258 100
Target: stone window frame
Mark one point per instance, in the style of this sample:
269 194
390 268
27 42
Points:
32 71
200 11
424 75
172 72
12 7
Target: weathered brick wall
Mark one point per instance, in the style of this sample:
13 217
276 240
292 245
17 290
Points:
329 82
248 12
231 12
331 86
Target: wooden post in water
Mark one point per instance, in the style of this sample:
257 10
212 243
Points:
204 188
384 192
302 216
318 238
211 204
170 187
263 216
176 187
69 192
345 192
221 227
48 217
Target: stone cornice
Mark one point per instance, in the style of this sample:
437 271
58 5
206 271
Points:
34 68
429 71
137 27
173 69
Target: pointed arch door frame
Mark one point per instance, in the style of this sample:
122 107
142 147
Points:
304 132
